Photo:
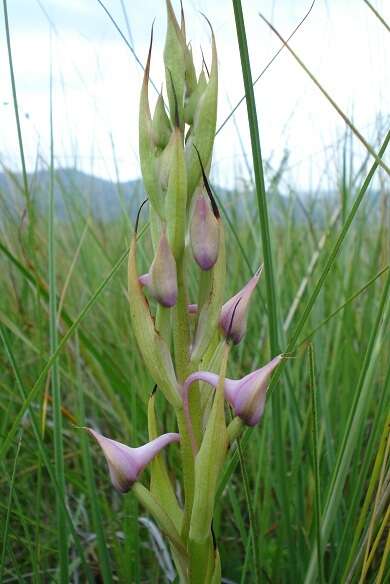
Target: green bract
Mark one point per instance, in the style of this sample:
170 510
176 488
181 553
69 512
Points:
204 124
161 126
174 60
147 150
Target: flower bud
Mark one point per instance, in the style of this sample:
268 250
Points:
161 280
176 196
234 329
247 395
125 464
193 98
153 348
209 310
161 126
204 233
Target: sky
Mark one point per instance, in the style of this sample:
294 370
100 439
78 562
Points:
96 83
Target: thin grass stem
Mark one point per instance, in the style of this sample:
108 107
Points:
5 533
314 412
55 371
268 268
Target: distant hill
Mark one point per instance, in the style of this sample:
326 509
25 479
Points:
76 191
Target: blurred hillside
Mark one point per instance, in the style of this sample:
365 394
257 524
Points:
105 200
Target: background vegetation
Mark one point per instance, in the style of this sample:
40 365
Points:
318 472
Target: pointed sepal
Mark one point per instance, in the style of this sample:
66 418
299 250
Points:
161 280
239 303
125 464
246 396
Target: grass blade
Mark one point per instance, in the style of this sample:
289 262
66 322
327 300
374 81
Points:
348 122
16 108
28 398
41 447
240 101
329 262
259 176
55 377
314 413
8 514
353 426
344 304
97 522
232 463
252 520
379 17
268 268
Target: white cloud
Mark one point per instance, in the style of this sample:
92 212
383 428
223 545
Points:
97 82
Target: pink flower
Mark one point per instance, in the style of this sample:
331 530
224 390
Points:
161 280
235 328
204 232
246 396
126 464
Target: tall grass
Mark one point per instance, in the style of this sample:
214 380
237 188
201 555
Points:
316 472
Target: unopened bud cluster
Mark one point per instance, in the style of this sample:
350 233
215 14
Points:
185 340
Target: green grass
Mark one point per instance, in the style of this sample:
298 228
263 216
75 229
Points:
103 382
308 502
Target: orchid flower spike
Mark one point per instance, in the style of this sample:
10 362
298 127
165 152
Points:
126 464
161 280
246 396
235 329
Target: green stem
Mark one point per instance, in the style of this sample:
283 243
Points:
187 457
163 323
181 338
181 329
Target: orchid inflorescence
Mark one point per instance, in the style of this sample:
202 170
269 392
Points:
185 346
